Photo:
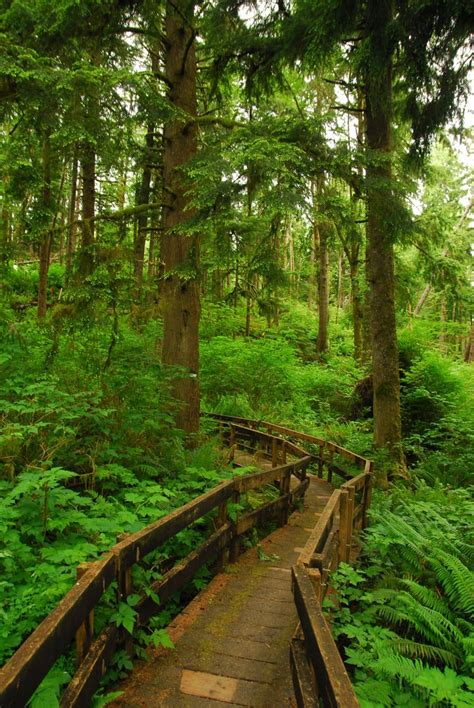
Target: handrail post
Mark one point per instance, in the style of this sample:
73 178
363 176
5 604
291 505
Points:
285 491
235 543
367 498
274 452
321 461
331 461
85 632
221 519
350 522
124 589
343 523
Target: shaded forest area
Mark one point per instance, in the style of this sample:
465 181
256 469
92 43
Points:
255 208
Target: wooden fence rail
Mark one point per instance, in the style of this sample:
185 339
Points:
72 620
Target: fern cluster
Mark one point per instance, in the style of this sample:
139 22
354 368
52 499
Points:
405 617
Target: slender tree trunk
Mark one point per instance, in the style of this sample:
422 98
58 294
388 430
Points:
469 350
6 229
312 280
45 246
180 251
443 318
156 219
386 380
357 307
72 210
323 291
86 259
143 197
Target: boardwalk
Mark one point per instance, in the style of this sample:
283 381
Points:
236 642
232 642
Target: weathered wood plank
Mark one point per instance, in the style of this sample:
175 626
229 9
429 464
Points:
86 680
22 674
303 676
333 681
183 572
142 542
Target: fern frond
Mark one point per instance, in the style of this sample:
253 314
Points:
397 666
427 652
457 581
430 624
428 598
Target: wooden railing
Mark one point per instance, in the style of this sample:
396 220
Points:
318 671
319 675
330 458
73 619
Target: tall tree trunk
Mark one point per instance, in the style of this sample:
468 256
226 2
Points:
72 210
312 278
357 306
6 229
86 259
180 251
156 220
323 291
386 379
45 246
143 197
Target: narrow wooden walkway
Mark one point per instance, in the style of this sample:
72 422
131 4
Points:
232 641
236 643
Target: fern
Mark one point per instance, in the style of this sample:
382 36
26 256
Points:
426 652
456 579
428 597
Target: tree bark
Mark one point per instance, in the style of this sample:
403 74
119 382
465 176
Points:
323 291
71 226
387 421
180 250
143 197
45 246
357 306
86 259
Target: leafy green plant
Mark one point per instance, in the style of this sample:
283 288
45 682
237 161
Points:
405 615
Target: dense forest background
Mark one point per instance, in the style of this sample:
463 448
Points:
259 209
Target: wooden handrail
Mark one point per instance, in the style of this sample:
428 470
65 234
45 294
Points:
25 670
331 447
317 668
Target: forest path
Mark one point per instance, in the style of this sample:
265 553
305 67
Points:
232 641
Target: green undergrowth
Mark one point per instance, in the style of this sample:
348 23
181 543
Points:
404 615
